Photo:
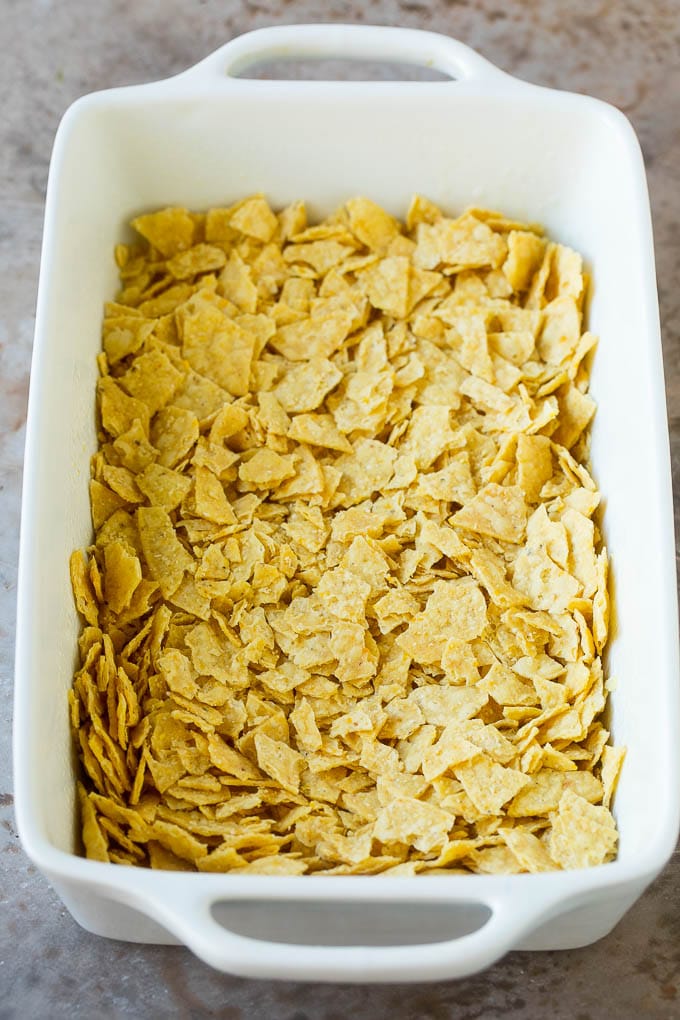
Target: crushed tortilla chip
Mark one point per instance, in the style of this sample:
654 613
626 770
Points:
347 599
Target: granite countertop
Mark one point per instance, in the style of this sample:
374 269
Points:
623 51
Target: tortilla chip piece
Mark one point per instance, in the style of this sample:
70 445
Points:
320 255
271 415
566 273
217 225
465 243
395 608
561 331
230 761
133 449
173 433
306 728
450 750
122 482
454 609
96 846
421 210
429 434
534 465
386 285
576 411
489 570
199 395
255 219
366 470
601 602
582 835
119 412
276 865
153 379
236 283
459 662
216 347
202 258
163 487
525 254
170 230
545 788
318 430
454 483
120 526
164 859
488 784
486 397
165 556
497 510
307 384
415 822
210 498
343 594
266 469
279 761
180 842
318 335
506 688
122 574
124 336
443 705
582 561
83 592
546 586
516 346
528 849
178 673
103 503
443 538
355 651
372 225
166 301
471 344
308 480
612 762
422 282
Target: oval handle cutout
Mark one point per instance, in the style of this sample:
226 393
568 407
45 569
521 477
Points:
345 69
300 922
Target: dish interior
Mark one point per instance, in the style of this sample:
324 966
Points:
563 161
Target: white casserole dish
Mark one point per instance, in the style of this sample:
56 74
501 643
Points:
206 138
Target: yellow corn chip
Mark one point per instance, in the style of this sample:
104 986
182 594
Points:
525 254
153 379
279 761
162 487
582 834
528 849
169 230
306 385
216 347
166 557
488 784
255 218
412 821
266 469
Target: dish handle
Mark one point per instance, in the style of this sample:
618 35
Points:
348 42
193 918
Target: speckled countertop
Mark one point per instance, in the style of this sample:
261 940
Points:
625 52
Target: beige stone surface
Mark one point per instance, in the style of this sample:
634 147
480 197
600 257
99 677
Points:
624 52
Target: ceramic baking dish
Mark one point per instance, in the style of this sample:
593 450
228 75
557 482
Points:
207 137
